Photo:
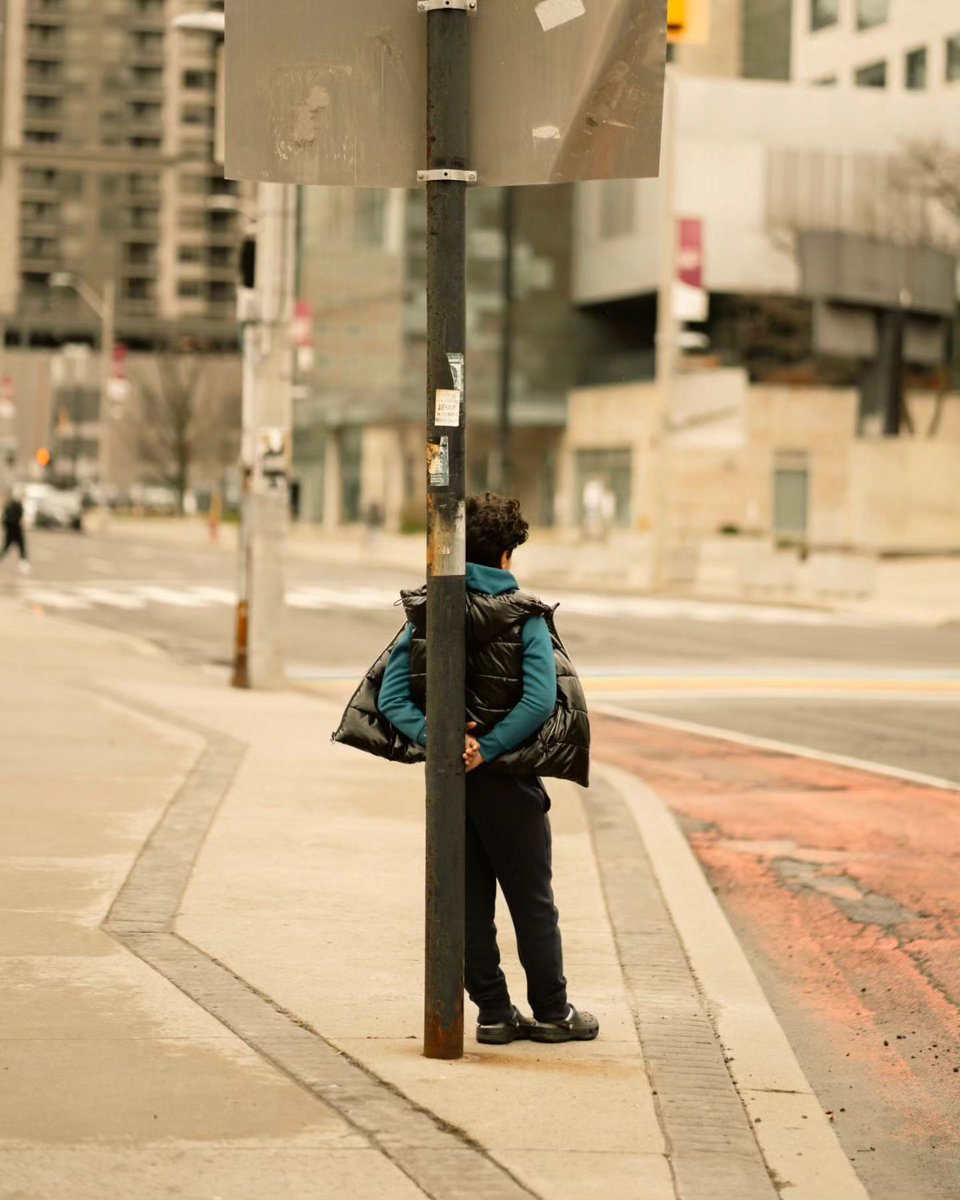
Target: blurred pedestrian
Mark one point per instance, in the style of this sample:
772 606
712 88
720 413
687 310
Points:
525 717
13 531
599 509
373 520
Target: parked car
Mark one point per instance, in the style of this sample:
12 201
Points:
154 499
47 507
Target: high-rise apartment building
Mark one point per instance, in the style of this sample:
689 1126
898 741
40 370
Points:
898 44
107 171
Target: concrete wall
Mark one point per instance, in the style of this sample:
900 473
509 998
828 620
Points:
873 495
904 495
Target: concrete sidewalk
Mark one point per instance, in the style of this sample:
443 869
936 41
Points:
212 968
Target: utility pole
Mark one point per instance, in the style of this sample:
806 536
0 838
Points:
107 400
501 473
265 456
104 306
446 178
666 339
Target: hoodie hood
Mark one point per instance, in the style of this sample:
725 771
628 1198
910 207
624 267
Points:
490 580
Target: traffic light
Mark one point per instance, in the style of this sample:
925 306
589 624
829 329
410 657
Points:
688 21
44 457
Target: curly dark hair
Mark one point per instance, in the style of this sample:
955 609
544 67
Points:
494 525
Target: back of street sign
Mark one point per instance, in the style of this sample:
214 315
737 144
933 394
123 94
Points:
324 92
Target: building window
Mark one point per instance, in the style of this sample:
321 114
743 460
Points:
915 70
138 289
189 254
825 81
604 482
824 13
147 77
617 208
142 253
953 58
42 70
872 75
872 12
189 289
194 79
42 106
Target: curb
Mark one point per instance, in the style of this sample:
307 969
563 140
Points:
799 1146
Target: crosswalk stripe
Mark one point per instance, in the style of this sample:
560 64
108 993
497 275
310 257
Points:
319 598
51 599
215 595
183 598
111 598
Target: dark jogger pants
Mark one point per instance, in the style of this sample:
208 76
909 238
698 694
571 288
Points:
508 841
13 536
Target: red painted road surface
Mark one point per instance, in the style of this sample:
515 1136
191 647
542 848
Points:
845 887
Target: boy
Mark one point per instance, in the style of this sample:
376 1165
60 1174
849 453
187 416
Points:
525 717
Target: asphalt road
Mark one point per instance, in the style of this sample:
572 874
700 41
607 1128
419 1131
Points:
886 693
841 883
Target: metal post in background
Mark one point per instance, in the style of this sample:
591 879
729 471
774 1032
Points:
500 481
667 341
267 434
107 399
447 137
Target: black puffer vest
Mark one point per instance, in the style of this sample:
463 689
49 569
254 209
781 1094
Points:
559 748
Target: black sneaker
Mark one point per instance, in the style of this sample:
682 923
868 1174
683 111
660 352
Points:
575 1027
503 1032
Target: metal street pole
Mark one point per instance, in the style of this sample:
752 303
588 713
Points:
104 307
501 474
446 176
666 339
107 344
266 437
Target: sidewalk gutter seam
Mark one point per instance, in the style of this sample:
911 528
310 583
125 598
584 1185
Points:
797 1142
443 1161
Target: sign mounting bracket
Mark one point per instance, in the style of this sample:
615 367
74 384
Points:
431 5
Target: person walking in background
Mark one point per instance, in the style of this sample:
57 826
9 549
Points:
525 717
13 531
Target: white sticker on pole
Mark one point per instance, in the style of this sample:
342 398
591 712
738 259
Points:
438 461
456 362
552 13
447 410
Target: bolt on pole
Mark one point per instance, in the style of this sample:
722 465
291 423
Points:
447 137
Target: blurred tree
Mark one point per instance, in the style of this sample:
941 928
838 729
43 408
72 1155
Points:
179 422
926 179
926 183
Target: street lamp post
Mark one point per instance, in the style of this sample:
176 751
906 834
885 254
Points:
104 305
